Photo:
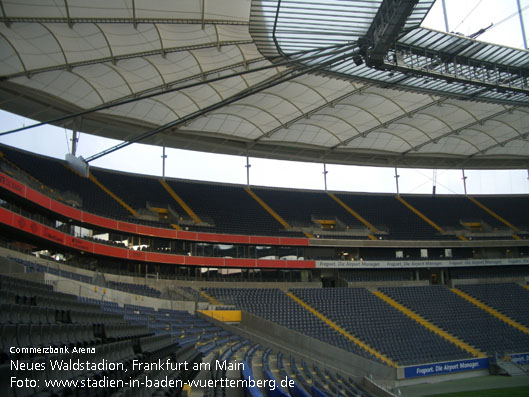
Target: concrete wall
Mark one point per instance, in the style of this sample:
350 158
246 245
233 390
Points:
159 284
312 351
4 252
9 266
328 354
90 291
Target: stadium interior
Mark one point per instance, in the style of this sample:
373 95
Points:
304 292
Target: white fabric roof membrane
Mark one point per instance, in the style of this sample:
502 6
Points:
196 57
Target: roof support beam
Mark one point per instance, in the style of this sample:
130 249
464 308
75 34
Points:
508 81
6 20
134 21
170 21
389 21
70 24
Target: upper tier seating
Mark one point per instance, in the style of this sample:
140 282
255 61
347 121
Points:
495 272
298 208
54 174
387 214
451 211
461 318
378 275
513 212
138 191
230 209
380 325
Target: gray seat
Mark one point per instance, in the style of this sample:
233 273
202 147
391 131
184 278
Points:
9 336
23 335
35 334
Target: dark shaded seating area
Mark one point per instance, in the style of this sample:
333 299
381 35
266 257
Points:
302 207
513 212
451 212
380 325
274 305
387 329
388 215
139 289
54 174
509 299
494 272
32 315
229 207
461 318
379 275
225 208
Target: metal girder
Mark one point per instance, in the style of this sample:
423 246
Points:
137 21
384 30
457 70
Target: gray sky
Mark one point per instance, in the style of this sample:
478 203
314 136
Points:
465 17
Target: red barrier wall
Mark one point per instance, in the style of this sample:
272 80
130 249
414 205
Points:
12 185
29 226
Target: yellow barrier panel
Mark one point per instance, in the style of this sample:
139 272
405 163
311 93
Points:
226 316
342 331
211 300
425 323
490 310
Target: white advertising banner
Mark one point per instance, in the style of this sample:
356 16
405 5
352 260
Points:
399 264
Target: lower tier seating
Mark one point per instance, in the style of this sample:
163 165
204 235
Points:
461 318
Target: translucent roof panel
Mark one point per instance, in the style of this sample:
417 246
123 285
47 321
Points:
286 80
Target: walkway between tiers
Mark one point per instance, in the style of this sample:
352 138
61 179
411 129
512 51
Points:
427 324
342 331
492 311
